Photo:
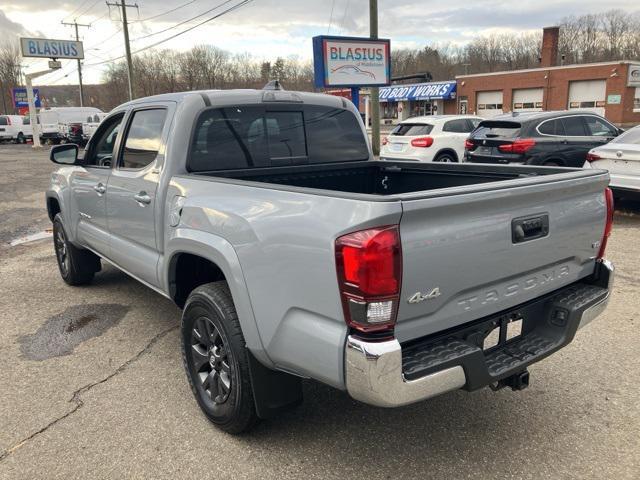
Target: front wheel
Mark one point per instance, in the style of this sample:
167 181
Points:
77 266
216 359
21 138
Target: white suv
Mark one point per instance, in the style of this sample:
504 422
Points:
15 128
435 138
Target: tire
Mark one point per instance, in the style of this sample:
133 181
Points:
552 163
77 266
21 138
216 359
446 157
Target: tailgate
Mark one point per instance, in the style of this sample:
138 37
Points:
464 255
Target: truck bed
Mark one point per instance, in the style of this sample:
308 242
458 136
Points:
388 178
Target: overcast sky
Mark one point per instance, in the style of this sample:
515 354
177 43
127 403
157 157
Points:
271 28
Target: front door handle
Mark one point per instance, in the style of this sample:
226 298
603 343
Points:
100 188
142 198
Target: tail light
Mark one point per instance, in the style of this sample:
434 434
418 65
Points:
592 157
469 145
422 142
369 265
608 196
519 146
385 140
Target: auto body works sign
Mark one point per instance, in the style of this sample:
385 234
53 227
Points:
421 91
20 97
351 62
46 48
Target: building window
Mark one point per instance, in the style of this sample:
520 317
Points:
636 100
389 110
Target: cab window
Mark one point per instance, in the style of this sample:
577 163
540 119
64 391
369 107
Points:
143 139
100 149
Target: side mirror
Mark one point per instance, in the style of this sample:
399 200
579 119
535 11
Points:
66 154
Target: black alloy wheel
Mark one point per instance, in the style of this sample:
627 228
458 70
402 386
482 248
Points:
211 362
62 254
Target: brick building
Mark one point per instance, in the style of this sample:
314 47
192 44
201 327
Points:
611 89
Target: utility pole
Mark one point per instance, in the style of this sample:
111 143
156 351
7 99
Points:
76 25
123 6
375 91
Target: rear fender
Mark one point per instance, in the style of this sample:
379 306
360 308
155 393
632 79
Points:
220 252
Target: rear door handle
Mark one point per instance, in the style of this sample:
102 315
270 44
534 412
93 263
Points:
100 188
142 198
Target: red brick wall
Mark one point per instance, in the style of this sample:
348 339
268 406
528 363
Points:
556 88
450 107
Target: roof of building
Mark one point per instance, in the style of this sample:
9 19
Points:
544 69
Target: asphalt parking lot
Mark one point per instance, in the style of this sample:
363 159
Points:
92 386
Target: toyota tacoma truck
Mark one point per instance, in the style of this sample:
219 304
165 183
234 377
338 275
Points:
295 254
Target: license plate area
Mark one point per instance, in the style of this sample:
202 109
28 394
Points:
396 147
505 330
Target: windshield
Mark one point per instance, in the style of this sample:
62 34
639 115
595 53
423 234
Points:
630 137
411 129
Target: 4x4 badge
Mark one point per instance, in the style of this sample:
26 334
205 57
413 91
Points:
420 297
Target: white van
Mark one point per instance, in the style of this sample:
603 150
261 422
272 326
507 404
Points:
15 128
54 121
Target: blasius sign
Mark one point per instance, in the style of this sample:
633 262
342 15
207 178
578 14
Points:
420 91
47 48
351 62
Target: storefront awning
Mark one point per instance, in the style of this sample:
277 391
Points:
418 91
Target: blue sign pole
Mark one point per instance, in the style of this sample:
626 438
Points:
355 97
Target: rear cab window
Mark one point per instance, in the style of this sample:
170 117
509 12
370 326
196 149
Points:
255 136
412 129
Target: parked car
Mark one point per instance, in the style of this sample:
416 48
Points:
621 157
55 123
15 128
434 138
90 125
294 254
539 138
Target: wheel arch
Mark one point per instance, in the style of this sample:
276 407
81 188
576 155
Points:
53 207
212 259
448 150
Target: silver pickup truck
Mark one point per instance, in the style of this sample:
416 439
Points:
295 254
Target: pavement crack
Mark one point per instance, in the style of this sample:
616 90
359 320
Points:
76 397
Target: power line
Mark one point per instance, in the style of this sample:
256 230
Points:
77 9
165 13
344 17
218 15
181 23
333 4
84 12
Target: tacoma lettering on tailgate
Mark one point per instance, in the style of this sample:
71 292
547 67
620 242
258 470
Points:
514 288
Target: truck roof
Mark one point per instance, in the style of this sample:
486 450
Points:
239 96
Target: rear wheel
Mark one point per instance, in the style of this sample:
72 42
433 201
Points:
445 158
77 266
21 138
216 359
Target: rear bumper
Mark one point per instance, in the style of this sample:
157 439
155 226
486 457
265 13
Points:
386 374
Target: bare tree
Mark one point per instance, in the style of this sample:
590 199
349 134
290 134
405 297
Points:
10 73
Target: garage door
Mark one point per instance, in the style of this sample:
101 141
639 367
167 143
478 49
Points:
489 104
527 100
589 95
